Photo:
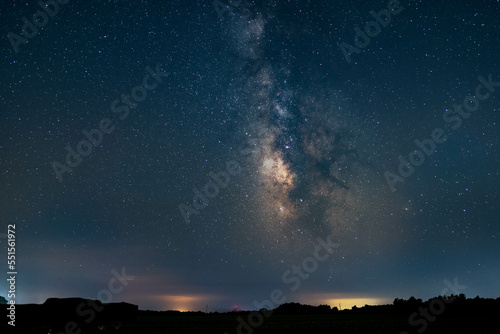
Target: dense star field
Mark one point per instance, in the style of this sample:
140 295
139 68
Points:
204 155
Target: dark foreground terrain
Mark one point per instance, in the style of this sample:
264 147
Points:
458 315
355 323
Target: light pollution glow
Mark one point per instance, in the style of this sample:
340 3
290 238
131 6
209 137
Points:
186 303
346 301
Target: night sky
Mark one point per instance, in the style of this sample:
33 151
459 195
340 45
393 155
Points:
215 155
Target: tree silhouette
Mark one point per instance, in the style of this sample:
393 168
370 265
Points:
3 300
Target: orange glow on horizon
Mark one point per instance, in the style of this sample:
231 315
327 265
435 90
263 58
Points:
185 303
181 303
348 303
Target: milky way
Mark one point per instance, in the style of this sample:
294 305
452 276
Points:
311 160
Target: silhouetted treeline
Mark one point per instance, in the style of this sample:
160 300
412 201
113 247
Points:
453 305
296 308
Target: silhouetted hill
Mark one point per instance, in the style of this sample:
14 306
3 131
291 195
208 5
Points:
71 315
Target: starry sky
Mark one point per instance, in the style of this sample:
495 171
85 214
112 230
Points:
203 150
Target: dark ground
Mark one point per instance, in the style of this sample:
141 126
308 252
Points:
457 315
350 323
281 324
